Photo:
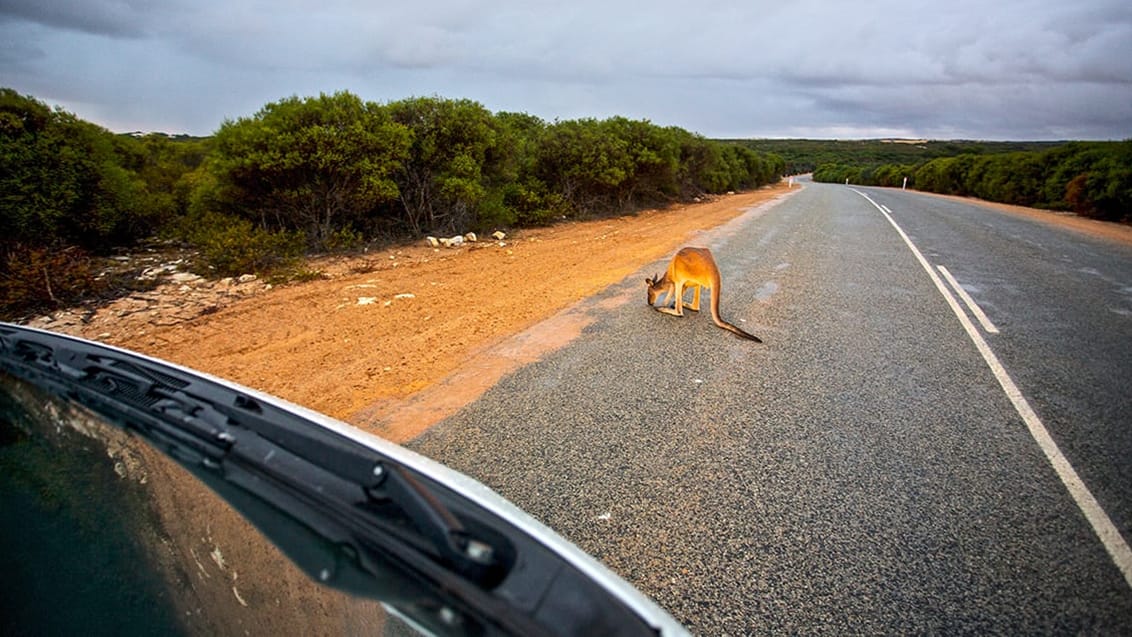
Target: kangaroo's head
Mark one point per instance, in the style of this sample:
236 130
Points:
656 287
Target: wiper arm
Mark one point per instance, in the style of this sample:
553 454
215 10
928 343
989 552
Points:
447 534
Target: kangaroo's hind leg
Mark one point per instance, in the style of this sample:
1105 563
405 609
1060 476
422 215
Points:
695 304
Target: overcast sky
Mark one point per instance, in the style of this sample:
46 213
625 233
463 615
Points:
941 69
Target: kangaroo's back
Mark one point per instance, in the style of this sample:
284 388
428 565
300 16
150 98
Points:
694 265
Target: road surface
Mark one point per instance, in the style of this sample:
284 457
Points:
868 469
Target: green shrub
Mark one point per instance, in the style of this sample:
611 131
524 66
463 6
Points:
343 240
231 246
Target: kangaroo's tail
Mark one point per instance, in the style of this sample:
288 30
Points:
715 294
738 332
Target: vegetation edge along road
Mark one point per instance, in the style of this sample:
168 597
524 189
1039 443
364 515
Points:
326 173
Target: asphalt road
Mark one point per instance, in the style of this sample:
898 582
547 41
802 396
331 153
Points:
863 470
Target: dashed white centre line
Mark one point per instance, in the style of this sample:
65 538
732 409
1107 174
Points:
1109 535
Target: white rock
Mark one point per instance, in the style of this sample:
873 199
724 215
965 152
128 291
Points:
498 236
471 236
367 300
433 241
184 277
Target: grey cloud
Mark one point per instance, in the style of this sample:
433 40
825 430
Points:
14 53
113 18
1013 68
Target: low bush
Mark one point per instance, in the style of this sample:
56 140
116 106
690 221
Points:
231 246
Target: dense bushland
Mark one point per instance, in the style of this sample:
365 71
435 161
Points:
323 173
1093 179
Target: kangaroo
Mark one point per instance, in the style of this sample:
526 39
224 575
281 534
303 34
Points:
691 268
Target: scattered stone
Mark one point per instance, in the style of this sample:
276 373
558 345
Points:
151 274
433 242
246 278
498 235
471 236
367 300
185 277
405 296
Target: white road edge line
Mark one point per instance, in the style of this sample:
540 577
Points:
1109 535
971 305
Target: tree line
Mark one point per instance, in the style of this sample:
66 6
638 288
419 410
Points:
805 155
324 173
1093 179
